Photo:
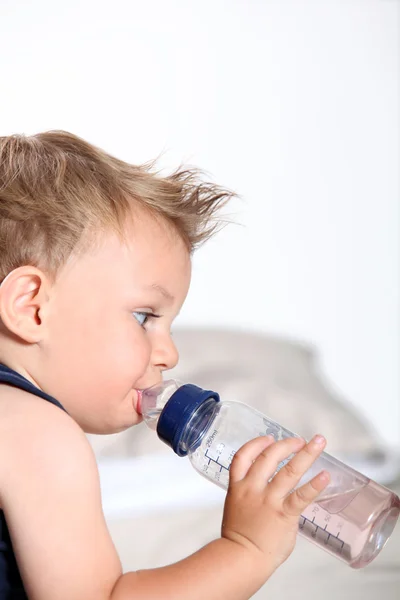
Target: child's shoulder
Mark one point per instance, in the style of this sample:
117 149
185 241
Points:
35 434
22 411
51 498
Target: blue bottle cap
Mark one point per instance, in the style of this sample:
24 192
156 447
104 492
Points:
177 413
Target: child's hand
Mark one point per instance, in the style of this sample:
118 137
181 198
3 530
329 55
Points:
263 517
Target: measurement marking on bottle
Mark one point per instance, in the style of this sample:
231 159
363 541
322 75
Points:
216 461
309 523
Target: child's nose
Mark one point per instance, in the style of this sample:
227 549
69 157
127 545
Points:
166 355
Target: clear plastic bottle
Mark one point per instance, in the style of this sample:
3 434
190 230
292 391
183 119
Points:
351 519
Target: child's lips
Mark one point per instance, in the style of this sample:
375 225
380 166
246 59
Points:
138 407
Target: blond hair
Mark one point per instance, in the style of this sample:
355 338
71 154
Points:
54 187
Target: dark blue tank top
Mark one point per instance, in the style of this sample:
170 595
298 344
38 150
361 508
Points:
11 586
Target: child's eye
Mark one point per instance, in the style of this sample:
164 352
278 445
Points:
143 317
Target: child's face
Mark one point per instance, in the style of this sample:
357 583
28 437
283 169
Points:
101 346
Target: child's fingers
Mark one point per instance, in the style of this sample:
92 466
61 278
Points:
246 455
290 475
298 500
268 461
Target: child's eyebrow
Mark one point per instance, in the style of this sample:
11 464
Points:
162 291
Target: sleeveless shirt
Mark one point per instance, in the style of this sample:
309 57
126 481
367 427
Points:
11 586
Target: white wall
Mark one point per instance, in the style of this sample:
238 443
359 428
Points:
294 104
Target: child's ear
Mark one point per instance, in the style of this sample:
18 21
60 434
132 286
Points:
23 296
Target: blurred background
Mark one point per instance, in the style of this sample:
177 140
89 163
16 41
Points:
294 105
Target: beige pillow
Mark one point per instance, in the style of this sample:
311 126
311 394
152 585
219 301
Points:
279 377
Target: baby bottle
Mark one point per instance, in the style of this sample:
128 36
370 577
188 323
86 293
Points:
353 516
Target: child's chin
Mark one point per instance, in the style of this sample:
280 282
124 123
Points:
116 427
133 419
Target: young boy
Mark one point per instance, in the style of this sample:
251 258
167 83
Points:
94 267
